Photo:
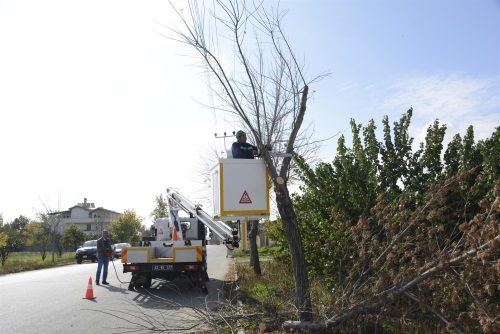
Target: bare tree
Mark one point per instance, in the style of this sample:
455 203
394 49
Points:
100 222
52 219
254 255
265 88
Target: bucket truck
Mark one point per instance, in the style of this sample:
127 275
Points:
178 247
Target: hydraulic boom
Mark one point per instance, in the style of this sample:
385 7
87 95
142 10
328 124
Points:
177 201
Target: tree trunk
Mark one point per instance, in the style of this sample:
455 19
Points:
254 254
290 224
53 246
4 256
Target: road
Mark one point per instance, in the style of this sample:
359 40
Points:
51 300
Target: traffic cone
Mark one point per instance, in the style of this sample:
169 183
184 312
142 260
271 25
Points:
90 292
174 235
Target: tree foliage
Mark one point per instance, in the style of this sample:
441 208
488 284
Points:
38 234
127 228
408 235
160 210
73 236
20 223
11 240
3 239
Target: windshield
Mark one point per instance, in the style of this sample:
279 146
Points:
90 243
186 224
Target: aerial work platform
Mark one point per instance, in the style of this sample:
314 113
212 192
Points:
240 189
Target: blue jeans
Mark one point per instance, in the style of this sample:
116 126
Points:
102 262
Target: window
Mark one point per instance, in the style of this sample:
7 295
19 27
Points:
187 225
89 227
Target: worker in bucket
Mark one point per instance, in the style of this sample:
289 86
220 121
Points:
104 252
241 149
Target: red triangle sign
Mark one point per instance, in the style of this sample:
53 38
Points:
245 199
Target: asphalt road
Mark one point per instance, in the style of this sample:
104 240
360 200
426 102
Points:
51 300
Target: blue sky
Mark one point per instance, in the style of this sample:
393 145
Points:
441 57
95 103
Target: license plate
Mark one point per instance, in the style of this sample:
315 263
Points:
85 256
164 267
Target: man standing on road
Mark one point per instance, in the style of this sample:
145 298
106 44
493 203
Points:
103 251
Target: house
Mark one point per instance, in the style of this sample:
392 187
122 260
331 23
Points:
87 217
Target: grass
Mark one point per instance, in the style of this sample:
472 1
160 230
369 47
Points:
25 261
270 300
269 297
263 252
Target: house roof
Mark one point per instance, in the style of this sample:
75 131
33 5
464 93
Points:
87 209
101 208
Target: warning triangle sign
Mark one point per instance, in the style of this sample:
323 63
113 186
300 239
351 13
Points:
245 199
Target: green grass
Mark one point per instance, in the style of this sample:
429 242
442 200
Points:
263 252
25 261
270 299
270 295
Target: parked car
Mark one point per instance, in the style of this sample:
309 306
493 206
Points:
87 252
118 249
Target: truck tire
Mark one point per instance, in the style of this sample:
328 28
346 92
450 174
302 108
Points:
79 261
193 282
201 282
132 284
147 285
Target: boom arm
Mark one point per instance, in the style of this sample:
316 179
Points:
176 200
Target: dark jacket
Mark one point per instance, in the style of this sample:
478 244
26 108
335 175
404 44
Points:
242 150
101 246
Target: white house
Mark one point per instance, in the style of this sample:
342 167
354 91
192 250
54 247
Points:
87 217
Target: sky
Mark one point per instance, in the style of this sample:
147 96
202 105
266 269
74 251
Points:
96 103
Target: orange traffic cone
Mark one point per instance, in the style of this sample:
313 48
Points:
90 291
174 235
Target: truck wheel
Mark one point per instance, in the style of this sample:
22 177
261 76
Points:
79 261
201 282
132 284
193 283
93 260
147 285
206 276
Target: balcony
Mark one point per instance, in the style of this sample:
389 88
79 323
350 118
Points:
85 220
